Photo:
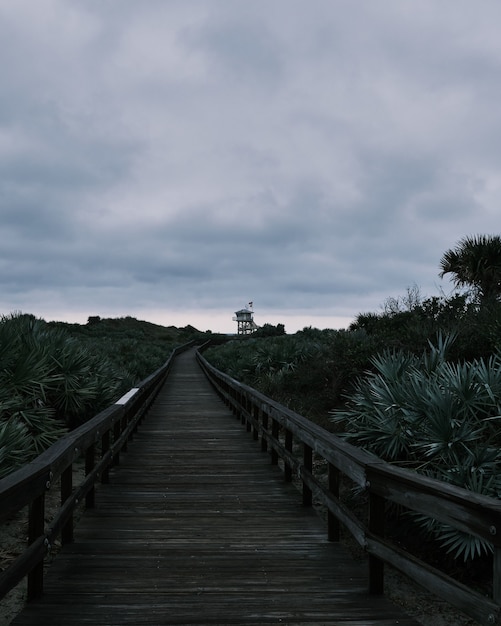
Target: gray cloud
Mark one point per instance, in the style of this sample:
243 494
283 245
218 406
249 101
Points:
168 157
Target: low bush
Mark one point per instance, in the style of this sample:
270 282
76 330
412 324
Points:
436 416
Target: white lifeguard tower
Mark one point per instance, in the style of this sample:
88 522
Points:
245 321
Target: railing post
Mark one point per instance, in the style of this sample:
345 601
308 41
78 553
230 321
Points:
105 448
248 408
376 527
264 441
116 437
66 490
123 426
496 575
226 394
229 399
134 415
89 466
275 431
308 465
242 407
234 402
35 530
333 529
255 427
288 447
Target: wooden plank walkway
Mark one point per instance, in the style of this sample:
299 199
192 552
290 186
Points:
197 527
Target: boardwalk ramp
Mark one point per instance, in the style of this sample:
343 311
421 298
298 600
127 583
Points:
196 527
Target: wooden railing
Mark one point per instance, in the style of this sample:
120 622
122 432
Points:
99 443
296 440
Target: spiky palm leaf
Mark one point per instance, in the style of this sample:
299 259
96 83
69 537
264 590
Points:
16 446
476 262
482 478
436 416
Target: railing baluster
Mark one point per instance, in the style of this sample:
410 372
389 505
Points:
235 396
264 441
66 491
123 427
234 403
496 575
308 465
333 529
105 448
35 530
89 466
275 431
376 527
116 437
288 447
241 408
248 408
255 427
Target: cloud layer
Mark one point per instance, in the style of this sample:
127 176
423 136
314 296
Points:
173 160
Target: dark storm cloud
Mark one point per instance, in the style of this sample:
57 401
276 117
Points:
173 156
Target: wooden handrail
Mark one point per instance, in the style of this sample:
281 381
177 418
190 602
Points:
462 509
108 432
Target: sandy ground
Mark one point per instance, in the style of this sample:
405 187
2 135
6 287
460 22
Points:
426 608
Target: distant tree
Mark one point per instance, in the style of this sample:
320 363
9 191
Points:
475 262
268 330
410 301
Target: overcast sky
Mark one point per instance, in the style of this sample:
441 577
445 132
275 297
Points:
175 159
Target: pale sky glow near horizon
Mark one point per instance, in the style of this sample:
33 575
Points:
173 160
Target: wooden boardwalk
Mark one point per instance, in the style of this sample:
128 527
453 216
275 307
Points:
197 527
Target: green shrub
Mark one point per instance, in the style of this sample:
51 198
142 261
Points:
308 372
16 445
435 416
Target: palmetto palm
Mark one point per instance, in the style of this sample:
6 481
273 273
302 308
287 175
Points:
476 262
27 424
47 381
439 417
16 445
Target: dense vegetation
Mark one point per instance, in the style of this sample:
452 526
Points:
55 376
418 384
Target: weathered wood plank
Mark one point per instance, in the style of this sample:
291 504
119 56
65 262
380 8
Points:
197 527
